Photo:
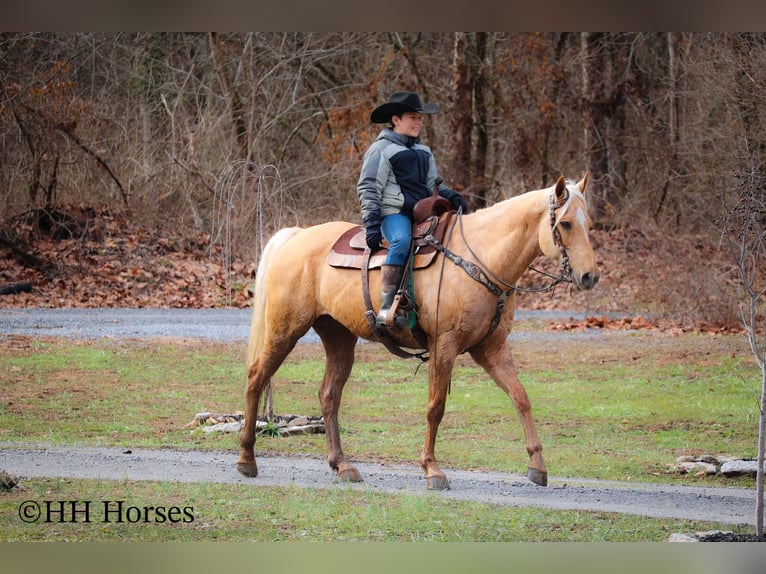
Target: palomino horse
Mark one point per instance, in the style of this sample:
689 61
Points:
295 289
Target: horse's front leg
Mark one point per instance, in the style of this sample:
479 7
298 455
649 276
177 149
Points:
498 362
439 375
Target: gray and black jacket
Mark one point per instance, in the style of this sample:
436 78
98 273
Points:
397 172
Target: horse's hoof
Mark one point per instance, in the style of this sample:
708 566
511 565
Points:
539 477
349 474
437 483
248 469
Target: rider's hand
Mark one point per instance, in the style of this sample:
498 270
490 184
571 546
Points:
373 236
459 203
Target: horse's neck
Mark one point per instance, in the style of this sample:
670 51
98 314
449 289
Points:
505 235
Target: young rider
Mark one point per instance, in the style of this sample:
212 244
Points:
397 172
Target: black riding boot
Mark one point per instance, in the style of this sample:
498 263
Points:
391 278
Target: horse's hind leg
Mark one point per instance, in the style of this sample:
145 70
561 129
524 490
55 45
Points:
258 377
498 362
339 344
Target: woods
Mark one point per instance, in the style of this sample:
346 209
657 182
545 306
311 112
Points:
236 135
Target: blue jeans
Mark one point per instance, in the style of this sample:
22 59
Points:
397 229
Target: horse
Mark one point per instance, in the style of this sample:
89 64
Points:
459 311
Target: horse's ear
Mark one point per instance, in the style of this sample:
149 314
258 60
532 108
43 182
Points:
583 183
562 193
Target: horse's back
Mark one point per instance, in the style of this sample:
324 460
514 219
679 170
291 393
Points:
304 286
307 243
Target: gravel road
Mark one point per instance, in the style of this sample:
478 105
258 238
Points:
212 324
727 505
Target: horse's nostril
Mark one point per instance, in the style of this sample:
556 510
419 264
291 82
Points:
589 280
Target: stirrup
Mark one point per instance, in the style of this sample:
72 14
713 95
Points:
390 322
394 321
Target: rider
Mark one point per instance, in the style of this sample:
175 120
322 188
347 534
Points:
397 172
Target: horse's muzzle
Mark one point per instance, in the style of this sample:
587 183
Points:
587 280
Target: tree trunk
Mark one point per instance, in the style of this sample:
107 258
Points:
237 108
480 89
461 123
672 120
593 47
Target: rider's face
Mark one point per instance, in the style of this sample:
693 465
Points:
408 124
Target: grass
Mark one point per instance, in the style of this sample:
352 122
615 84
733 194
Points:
243 513
619 407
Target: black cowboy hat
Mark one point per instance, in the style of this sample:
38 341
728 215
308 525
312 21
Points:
399 103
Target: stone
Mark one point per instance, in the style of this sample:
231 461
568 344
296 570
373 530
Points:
697 468
235 426
7 482
686 458
709 459
711 536
740 468
302 429
298 422
681 537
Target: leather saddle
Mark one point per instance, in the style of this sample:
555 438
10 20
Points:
348 250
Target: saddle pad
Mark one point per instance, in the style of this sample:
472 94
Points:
348 251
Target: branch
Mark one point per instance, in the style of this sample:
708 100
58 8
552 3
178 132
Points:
68 130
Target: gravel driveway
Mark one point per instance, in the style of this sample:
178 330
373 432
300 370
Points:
728 505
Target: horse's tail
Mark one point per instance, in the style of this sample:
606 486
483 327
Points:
258 323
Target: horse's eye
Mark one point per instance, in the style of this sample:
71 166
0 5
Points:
565 225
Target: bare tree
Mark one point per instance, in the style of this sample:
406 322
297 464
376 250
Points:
744 229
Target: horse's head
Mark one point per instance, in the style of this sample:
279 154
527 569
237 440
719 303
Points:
564 234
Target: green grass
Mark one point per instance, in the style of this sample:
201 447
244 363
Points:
620 407
243 513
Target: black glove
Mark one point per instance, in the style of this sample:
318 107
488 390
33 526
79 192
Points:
459 203
454 197
373 236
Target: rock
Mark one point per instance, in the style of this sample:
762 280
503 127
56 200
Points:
7 482
302 429
697 468
709 459
680 537
298 422
711 536
283 425
235 426
740 468
686 458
